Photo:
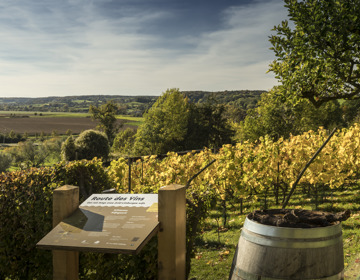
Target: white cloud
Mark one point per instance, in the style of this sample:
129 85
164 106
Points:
53 48
233 58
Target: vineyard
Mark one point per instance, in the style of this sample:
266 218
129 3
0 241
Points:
243 176
255 174
264 170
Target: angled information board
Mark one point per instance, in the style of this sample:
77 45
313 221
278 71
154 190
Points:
107 223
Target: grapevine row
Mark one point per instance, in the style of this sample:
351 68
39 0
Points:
251 168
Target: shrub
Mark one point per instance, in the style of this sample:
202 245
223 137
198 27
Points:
26 216
27 154
89 175
26 213
5 161
68 149
124 141
92 143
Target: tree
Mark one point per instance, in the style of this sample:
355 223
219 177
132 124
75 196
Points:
42 136
28 154
124 141
106 116
92 143
235 112
279 117
351 110
208 126
165 125
12 135
319 58
52 147
174 124
54 133
5 161
68 149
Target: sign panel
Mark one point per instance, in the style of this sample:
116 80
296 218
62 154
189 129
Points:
107 223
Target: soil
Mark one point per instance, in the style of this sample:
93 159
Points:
298 218
36 125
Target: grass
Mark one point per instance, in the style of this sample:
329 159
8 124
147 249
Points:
134 121
131 120
215 247
62 115
66 114
45 114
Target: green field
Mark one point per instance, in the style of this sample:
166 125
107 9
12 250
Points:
132 120
45 114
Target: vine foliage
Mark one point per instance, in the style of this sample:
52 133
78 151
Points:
245 171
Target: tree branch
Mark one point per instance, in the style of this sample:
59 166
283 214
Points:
197 174
306 166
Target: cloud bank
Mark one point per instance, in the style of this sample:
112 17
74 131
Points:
78 47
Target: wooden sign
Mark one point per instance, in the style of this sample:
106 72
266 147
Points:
107 223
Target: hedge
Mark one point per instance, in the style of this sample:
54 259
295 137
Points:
26 217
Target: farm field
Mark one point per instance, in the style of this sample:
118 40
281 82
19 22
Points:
46 125
63 115
50 122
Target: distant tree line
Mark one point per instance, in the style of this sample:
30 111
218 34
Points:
126 105
174 123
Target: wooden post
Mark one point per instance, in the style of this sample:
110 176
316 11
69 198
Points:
65 263
129 181
172 234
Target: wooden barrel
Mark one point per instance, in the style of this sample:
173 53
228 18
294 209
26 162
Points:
272 253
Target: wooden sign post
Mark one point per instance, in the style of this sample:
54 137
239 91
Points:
65 263
172 234
120 224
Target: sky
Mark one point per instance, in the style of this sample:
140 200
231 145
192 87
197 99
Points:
135 47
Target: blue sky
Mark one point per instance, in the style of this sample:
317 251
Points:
135 47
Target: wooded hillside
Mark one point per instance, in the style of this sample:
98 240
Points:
128 105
